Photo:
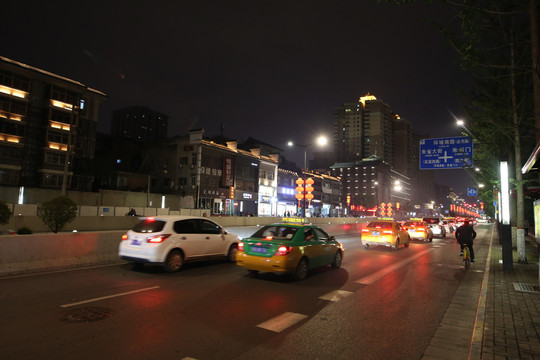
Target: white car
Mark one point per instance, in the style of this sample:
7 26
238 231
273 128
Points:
172 240
437 226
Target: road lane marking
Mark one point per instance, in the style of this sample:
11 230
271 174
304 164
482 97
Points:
370 279
335 295
282 322
108 297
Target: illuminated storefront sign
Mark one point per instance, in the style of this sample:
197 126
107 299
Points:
228 172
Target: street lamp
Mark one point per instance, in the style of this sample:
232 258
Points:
321 141
461 123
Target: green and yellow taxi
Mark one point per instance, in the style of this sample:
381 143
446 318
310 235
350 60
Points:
385 232
289 248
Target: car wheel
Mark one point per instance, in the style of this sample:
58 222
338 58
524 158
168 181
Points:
407 243
366 246
336 264
253 272
137 266
397 244
233 250
174 261
301 270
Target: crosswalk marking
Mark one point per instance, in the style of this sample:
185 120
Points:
335 295
282 322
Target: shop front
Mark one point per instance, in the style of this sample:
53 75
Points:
214 199
245 203
267 201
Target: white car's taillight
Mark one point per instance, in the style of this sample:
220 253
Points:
157 239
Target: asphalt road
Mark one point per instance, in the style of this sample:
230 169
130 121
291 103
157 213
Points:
382 304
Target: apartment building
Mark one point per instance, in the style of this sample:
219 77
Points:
48 127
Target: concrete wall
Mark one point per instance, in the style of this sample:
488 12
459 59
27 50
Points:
48 251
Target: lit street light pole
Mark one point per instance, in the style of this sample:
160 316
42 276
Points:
321 141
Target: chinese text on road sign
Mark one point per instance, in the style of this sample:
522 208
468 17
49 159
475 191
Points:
446 153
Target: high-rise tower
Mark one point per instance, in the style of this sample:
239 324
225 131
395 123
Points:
363 129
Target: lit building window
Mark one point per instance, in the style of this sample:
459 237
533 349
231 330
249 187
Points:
62 105
13 92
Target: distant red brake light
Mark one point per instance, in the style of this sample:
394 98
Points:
157 239
268 238
124 237
240 246
283 250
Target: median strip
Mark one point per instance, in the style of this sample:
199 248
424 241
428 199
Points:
108 297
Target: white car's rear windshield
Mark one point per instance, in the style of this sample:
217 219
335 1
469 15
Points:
149 226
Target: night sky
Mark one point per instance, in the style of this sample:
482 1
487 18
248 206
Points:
272 70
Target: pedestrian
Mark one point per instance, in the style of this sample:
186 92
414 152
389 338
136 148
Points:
131 212
465 234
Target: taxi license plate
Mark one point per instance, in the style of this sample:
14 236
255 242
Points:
136 242
375 233
260 250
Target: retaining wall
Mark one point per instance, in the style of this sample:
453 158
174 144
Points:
49 251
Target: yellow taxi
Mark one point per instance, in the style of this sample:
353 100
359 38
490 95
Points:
386 233
289 248
418 230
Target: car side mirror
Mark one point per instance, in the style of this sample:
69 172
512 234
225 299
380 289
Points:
332 238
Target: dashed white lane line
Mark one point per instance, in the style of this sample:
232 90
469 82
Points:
387 270
282 322
108 297
335 295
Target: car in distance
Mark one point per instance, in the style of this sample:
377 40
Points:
386 233
171 240
289 248
418 230
436 225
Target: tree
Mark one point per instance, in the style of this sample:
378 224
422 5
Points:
492 39
5 213
57 212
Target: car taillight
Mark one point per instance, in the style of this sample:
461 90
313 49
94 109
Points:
124 237
365 230
420 229
390 232
268 238
240 246
157 239
283 250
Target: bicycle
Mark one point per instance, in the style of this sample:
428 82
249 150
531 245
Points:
466 256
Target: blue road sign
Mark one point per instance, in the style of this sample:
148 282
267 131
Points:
446 153
472 192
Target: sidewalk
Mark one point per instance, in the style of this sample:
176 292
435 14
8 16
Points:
495 314
512 317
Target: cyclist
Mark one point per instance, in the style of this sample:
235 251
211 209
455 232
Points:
465 234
